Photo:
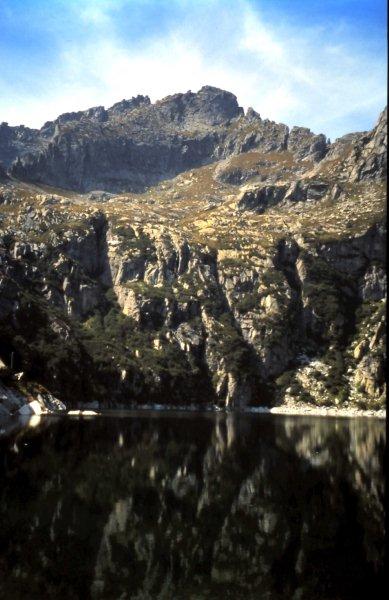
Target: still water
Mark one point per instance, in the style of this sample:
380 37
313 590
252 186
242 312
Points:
191 506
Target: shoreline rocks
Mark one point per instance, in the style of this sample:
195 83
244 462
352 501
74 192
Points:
14 403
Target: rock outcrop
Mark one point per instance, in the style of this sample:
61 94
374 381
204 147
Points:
368 160
37 402
263 197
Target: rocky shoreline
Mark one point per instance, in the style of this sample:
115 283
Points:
295 410
14 404
301 409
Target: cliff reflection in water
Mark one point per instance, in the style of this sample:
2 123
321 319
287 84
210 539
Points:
192 506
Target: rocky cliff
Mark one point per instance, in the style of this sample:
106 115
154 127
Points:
135 144
251 270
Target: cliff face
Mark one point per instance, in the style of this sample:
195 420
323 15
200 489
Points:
369 156
135 144
202 289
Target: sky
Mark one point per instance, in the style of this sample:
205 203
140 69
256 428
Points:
316 63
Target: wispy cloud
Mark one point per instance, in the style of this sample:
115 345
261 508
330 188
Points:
315 75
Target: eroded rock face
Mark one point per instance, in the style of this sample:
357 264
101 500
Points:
17 142
195 291
238 329
135 144
259 198
368 160
306 145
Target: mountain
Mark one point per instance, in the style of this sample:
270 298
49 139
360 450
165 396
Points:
187 252
135 144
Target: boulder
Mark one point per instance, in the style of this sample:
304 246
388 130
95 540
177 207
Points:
32 408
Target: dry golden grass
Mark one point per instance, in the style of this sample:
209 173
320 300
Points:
195 205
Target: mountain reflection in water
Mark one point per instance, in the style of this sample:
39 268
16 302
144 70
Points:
192 506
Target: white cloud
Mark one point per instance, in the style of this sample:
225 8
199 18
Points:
296 77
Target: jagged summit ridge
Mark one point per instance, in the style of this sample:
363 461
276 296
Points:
136 143
210 106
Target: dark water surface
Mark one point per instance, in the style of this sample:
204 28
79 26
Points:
191 506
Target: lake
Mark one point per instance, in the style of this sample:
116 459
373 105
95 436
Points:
184 506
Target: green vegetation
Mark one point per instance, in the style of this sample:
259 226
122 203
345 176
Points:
248 302
273 277
229 344
140 243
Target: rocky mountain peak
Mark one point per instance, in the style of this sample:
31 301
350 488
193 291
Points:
252 115
368 159
135 144
209 106
125 106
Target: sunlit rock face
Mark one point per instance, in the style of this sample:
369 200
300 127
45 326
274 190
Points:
145 312
174 506
247 268
369 157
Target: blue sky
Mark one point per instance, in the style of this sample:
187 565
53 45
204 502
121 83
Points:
321 64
